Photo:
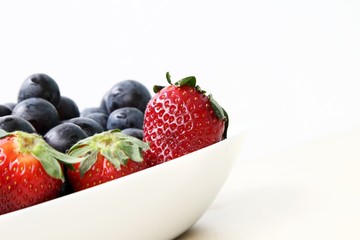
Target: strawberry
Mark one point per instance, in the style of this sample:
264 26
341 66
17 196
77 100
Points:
30 171
108 155
180 119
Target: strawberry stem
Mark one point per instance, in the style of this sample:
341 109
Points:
157 88
191 82
34 144
115 146
188 81
168 78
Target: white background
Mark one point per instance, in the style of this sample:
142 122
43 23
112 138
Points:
287 71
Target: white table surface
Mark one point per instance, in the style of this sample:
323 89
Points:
307 192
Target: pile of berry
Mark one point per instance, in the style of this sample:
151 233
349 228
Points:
49 148
42 109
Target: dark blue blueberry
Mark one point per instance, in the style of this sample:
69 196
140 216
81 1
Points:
67 108
89 126
63 136
127 93
4 110
40 86
39 112
11 123
134 132
99 117
127 117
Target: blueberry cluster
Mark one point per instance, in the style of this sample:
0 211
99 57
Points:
43 110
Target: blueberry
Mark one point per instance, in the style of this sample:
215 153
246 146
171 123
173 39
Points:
127 117
99 117
134 132
63 136
4 110
10 105
67 108
41 86
89 126
39 112
127 93
12 123
90 110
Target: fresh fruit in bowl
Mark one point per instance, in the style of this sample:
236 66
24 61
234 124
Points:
31 163
130 142
163 201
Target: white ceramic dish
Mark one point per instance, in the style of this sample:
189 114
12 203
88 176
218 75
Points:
157 203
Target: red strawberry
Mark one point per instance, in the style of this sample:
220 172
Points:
29 170
108 155
180 119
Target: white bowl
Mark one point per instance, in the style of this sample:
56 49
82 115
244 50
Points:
157 203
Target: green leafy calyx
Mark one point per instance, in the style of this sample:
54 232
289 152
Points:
191 82
187 81
115 146
34 144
